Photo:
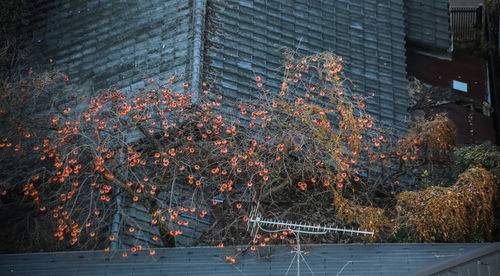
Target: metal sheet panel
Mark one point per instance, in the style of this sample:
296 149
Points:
335 259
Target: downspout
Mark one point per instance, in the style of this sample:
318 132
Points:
451 47
199 7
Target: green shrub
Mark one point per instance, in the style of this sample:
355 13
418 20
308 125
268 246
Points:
485 155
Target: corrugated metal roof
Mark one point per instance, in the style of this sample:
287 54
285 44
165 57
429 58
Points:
428 23
484 261
368 35
350 259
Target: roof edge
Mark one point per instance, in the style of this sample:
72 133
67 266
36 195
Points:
467 257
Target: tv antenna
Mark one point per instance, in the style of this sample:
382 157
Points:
257 223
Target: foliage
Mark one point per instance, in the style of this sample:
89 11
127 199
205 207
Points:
485 155
367 217
308 152
306 144
435 137
18 100
461 213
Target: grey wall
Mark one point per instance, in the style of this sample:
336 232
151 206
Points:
368 35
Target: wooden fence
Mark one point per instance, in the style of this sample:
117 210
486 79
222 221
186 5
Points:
467 22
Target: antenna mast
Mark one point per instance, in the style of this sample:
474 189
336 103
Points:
257 222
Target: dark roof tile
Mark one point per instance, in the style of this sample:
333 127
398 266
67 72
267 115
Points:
428 23
349 28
